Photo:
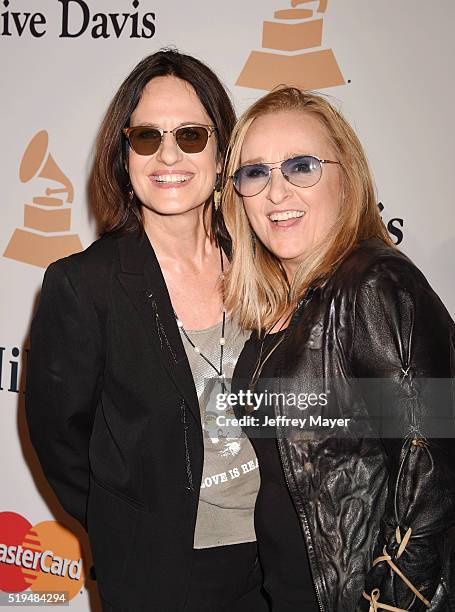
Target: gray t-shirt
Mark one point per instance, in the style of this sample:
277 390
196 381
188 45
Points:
230 478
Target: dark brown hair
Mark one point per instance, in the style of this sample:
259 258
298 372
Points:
109 181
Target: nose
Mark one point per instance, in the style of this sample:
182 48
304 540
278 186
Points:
279 188
168 152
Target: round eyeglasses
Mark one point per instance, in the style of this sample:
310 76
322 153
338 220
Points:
301 171
146 140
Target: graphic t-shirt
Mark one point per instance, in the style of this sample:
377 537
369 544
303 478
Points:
230 478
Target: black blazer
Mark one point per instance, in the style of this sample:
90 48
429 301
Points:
114 418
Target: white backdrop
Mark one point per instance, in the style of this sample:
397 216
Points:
394 59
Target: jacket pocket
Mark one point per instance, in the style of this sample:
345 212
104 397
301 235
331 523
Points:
134 503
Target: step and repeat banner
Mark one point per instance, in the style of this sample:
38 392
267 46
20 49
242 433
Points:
386 65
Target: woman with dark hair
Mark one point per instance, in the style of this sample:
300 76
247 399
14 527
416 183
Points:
350 372
128 347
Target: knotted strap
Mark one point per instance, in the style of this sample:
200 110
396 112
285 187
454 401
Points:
375 604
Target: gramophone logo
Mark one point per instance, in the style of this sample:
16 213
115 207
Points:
290 34
46 235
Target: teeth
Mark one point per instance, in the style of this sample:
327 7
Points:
284 216
172 178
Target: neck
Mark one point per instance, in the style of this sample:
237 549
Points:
179 238
290 272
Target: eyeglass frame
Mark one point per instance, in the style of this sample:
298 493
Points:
268 164
210 130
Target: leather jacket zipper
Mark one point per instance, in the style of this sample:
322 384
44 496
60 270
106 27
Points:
285 465
304 522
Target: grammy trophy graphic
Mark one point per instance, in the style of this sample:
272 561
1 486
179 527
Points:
293 55
46 235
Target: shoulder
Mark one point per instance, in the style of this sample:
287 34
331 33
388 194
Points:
372 261
99 255
385 285
87 274
374 267
395 318
377 285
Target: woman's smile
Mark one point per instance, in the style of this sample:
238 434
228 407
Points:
168 179
284 220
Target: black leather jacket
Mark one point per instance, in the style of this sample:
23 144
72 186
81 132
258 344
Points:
380 343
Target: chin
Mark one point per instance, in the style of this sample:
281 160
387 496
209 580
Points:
171 207
287 256
290 261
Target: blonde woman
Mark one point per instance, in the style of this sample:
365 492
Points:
352 347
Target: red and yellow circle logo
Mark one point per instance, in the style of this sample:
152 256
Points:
44 557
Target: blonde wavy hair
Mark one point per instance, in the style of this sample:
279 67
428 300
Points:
257 290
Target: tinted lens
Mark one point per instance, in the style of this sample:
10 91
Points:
251 180
191 139
145 140
302 171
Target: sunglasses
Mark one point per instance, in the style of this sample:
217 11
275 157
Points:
146 140
301 171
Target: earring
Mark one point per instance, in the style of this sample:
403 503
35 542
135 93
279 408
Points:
217 192
130 192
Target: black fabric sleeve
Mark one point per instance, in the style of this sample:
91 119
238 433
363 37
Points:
63 384
403 356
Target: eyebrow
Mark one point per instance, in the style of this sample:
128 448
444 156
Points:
155 125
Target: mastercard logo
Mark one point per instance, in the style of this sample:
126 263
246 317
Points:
42 557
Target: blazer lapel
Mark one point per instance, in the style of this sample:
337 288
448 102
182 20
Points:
144 283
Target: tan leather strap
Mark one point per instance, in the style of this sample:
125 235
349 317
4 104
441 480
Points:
375 604
403 543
